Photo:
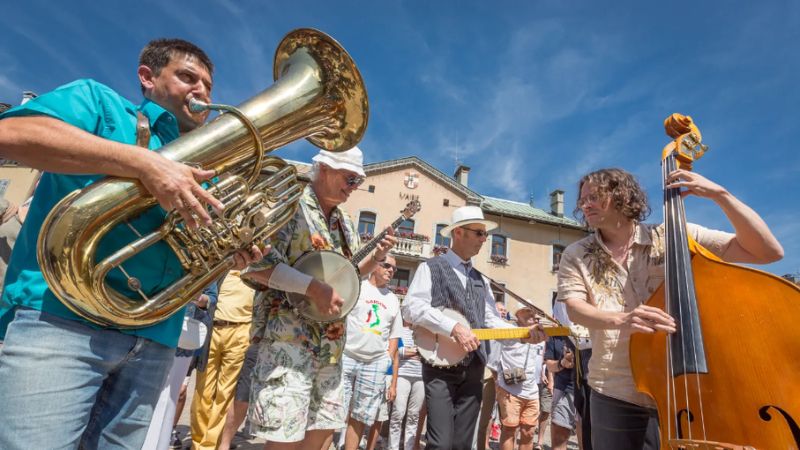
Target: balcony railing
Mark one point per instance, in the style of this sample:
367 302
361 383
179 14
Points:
411 247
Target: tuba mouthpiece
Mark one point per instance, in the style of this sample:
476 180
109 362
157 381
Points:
197 106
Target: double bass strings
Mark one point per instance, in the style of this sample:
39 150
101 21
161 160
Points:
678 265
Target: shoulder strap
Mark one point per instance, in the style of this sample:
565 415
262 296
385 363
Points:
527 354
142 130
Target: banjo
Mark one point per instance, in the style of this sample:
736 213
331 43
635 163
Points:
339 272
443 351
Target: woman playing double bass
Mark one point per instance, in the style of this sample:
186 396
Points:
606 278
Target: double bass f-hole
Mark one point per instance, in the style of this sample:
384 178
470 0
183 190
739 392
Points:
689 419
763 413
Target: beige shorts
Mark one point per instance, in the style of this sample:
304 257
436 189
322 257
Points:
294 391
516 411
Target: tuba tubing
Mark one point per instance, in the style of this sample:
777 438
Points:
318 94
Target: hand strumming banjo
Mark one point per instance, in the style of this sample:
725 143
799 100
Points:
444 351
339 272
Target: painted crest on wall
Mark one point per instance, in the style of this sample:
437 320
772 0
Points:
411 180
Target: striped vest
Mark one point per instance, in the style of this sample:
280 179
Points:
447 292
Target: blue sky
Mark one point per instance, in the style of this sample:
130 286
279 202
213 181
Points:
530 94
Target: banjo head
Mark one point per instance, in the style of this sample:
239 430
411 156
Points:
440 350
333 269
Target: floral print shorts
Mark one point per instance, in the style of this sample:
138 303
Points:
293 391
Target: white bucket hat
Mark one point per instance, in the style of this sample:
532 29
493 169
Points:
352 160
465 216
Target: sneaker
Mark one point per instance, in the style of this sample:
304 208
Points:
175 442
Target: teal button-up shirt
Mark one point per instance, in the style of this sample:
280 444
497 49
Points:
99 110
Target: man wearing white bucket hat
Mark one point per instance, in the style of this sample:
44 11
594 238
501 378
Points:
296 395
453 395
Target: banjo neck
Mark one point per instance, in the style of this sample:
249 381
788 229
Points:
367 248
411 208
494 334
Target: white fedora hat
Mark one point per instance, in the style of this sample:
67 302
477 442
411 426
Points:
352 160
465 216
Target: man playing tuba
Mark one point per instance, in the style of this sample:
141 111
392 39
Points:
65 382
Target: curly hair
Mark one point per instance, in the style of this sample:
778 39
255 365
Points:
158 53
622 188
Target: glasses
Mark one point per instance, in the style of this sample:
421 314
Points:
354 180
593 198
479 233
388 266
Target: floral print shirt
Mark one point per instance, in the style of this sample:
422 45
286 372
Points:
308 230
588 272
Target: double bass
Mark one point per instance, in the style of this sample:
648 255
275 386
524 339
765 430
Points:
729 378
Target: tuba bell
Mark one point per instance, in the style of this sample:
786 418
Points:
318 94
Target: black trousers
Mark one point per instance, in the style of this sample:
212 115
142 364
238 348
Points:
453 399
582 398
618 425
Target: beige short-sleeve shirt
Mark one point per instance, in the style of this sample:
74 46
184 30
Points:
588 272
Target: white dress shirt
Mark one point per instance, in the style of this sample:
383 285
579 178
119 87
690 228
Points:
417 307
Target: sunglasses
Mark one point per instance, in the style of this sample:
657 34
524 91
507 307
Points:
387 266
479 233
354 180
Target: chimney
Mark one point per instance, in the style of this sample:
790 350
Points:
530 201
557 203
462 174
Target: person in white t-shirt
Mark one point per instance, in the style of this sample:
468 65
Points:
373 328
518 396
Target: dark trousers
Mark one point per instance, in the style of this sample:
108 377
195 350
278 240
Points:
618 425
582 398
453 399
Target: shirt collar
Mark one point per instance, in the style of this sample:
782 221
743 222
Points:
313 203
162 121
455 260
642 235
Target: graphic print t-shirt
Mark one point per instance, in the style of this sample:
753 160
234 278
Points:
373 321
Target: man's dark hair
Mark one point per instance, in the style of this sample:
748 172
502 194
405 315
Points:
4 107
158 53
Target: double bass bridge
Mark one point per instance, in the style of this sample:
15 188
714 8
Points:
695 444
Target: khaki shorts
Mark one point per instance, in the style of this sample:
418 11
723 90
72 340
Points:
516 411
294 391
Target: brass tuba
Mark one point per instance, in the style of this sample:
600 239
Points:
318 94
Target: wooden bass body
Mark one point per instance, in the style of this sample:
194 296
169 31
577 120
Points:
750 392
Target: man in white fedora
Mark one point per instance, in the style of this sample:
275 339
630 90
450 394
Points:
296 394
453 395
